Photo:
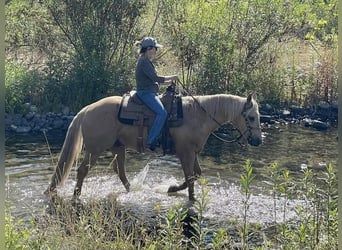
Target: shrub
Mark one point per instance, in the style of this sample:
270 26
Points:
21 86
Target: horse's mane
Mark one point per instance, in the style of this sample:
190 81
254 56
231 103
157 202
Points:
227 105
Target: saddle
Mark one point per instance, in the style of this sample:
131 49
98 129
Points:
134 112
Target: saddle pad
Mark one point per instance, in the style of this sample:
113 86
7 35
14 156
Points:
132 110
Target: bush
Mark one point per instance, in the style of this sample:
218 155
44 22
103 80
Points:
17 235
21 86
86 49
99 40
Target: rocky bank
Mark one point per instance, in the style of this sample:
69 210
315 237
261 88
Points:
321 117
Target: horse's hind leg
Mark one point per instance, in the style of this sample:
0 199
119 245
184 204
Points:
82 171
119 154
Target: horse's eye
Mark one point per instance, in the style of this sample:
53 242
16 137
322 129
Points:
251 118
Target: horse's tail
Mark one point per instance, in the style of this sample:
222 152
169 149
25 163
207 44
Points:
70 151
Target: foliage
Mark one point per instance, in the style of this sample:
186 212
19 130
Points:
170 235
246 182
32 32
322 19
16 238
87 46
83 50
17 234
233 46
21 86
316 226
200 205
100 35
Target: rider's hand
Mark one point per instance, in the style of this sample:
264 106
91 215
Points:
174 80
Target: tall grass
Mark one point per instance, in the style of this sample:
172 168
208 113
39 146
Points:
103 224
246 181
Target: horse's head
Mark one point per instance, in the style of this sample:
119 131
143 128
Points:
248 122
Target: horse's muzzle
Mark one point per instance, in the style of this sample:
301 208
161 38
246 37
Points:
256 141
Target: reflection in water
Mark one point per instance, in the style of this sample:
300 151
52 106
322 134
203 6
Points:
29 167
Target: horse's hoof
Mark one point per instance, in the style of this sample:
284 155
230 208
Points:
76 201
172 189
127 186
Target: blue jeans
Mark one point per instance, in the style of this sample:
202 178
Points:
153 102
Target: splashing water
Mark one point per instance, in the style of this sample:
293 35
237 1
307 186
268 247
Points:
138 181
150 185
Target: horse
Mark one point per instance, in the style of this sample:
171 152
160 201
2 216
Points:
96 128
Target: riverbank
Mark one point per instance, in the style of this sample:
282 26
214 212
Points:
321 117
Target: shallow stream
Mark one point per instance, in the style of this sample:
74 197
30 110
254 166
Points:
30 161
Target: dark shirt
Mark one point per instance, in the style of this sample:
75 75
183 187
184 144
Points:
146 75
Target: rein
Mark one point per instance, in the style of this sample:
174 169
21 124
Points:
211 117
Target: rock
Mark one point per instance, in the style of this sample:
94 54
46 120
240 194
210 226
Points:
306 122
334 105
23 129
41 123
297 111
8 121
13 127
324 105
24 122
33 109
29 116
57 124
320 125
266 109
65 110
303 166
52 115
267 119
286 112
17 119
36 128
27 105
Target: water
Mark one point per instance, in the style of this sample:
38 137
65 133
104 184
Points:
30 161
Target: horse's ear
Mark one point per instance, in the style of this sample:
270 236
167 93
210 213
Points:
251 96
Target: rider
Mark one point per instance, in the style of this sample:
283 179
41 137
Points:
148 86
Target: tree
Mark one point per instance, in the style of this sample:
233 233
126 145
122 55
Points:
100 34
233 46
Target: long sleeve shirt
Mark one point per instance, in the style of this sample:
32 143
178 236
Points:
146 75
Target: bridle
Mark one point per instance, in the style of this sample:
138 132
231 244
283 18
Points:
249 128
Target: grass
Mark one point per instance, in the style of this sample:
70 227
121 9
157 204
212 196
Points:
104 224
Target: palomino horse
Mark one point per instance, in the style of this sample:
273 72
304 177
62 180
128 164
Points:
96 127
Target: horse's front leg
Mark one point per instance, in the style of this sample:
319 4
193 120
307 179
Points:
188 162
197 167
119 154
